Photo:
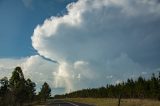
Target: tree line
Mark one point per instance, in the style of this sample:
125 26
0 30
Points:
18 91
139 88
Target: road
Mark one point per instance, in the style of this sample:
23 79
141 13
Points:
65 103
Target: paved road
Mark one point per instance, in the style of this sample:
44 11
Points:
65 103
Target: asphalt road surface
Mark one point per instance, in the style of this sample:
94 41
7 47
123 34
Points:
65 103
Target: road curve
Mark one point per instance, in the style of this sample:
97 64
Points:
65 103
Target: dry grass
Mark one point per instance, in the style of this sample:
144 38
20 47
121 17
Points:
114 102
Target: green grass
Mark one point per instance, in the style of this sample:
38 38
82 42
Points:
114 102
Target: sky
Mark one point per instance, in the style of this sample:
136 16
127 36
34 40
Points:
80 44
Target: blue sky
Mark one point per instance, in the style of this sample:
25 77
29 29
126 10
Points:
18 20
76 45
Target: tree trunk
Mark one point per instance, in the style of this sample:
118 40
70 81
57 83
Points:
119 100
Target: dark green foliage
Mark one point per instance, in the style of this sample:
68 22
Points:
17 84
30 90
45 92
4 90
4 86
140 88
17 90
17 76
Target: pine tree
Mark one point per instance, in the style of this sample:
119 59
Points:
45 92
18 86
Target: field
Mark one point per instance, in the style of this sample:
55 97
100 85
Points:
114 102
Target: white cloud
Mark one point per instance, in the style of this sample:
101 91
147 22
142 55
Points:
7 65
108 35
97 38
118 81
62 78
34 67
39 70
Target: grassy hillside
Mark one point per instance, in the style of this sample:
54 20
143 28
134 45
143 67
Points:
114 102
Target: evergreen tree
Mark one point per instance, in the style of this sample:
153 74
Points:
18 91
45 92
4 90
4 86
140 88
30 90
159 86
17 84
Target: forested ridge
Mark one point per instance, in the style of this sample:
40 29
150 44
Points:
139 88
18 91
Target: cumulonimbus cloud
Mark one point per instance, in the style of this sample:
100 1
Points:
97 42
102 38
109 35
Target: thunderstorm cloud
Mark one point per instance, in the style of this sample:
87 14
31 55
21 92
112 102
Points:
95 43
